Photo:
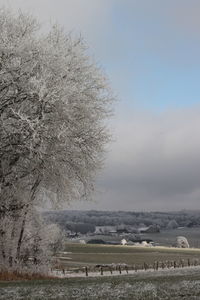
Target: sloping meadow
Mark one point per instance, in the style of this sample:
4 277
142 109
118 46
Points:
174 284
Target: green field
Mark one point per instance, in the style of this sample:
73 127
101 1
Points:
166 284
161 285
168 237
90 255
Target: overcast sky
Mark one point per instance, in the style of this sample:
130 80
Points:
150 50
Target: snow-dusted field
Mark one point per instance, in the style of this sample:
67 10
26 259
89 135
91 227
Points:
164 284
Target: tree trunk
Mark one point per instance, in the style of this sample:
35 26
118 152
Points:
21 236
33 191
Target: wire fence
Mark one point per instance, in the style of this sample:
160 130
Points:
122 268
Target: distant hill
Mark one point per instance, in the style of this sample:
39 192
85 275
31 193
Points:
87 221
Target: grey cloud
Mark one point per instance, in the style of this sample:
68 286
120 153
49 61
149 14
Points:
154 164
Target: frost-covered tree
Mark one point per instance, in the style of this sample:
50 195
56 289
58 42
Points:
172 224
53 105
182 242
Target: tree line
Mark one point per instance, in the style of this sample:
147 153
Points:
74 220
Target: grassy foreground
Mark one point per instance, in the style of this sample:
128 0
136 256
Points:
174 284
167 284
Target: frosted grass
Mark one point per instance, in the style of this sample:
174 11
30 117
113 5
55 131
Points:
164 284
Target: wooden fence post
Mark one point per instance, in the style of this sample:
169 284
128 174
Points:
136 268
195 262
188 261
157 265
120 270
182 263
145 266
